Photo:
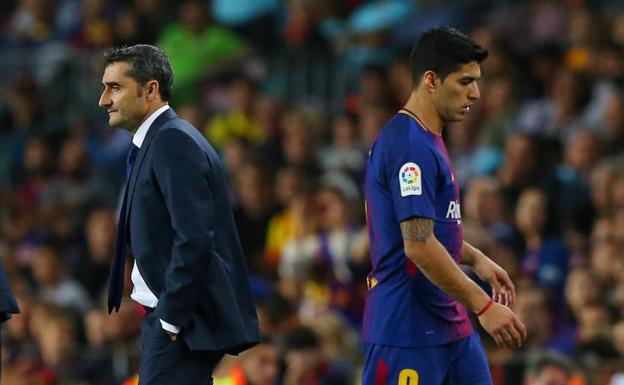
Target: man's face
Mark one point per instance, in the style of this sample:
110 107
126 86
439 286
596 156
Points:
457 92
123 98
551 375
261 364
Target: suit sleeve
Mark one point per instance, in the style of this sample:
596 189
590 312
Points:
8 304
182 173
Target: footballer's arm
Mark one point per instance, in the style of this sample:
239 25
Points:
422 247
503 290
470 254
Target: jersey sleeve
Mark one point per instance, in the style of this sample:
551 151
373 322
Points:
412 173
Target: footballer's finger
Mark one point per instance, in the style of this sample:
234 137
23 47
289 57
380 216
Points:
506 338
521 328
515 336
498 338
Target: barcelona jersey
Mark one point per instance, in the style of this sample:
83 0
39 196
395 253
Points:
408 175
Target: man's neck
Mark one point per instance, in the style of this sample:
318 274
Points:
150 110
421 104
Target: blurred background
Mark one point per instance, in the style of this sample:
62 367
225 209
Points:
292 93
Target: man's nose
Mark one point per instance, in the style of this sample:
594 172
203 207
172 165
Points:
105 100
474 93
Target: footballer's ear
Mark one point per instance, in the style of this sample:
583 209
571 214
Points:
430 80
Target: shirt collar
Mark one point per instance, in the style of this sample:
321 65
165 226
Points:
140 133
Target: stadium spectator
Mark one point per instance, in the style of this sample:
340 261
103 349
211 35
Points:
549 369
239 121
54 285
257 366
305 363
195 45
546 257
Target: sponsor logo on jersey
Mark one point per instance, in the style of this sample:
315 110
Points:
410 179
454 210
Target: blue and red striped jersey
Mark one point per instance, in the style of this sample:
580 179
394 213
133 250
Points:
409 174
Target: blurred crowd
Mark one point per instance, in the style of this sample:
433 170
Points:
539 160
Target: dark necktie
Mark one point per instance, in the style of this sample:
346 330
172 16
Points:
116 282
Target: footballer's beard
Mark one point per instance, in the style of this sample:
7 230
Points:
448 113
451 116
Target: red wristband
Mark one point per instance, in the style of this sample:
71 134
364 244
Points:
487 306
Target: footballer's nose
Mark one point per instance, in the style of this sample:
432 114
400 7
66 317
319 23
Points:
473 93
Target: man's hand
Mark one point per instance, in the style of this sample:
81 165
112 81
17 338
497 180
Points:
172 330
503 290
173 336
503 325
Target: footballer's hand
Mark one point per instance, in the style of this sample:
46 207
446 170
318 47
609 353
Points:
503 325
503 290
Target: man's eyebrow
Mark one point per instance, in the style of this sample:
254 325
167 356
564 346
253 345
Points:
110 84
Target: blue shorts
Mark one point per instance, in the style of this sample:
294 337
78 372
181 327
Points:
458 363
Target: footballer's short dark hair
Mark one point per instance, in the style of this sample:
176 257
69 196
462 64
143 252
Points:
145 63
443 50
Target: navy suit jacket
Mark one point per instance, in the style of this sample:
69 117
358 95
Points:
8 304
184 239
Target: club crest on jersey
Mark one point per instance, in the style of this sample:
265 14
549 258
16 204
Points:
410 179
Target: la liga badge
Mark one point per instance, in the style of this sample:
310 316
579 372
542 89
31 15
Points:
410 179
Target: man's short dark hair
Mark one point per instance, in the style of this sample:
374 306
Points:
302 338
145 63
443 50
549 358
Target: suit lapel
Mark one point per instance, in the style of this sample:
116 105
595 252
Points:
151 132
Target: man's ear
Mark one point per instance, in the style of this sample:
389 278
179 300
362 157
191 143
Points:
153 90
430 80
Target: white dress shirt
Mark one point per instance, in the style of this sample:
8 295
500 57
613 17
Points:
141 293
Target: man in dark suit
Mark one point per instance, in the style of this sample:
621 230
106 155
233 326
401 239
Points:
189 271
8 304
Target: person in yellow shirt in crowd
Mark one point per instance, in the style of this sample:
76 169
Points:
240 121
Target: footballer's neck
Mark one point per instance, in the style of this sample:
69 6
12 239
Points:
420 103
